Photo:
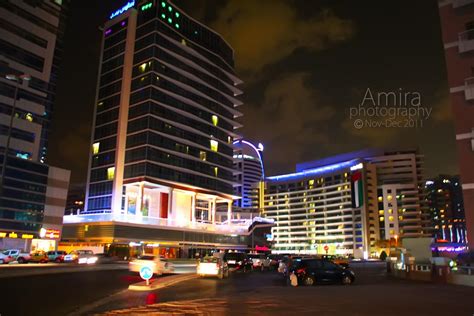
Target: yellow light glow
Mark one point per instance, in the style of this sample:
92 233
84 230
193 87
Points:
110 173
215 120
29 117
216 170
95 148
202 155
27 236
380 199
381 218
390 218
142 67
389 197
214 145
13 235
381 212
3 235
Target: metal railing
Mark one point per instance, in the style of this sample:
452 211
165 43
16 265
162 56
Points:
469 270
234 227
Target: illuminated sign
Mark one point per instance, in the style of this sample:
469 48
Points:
357 167
126 7
3 235
49 233
450 248
13 235
27 236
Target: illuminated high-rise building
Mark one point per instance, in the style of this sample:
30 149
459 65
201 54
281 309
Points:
457 27
32 194
164 123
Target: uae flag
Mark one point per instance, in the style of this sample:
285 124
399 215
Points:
357 190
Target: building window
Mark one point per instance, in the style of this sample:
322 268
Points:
202 155
214 145
95 148
110 173
215 120
216 170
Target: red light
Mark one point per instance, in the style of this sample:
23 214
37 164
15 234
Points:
302 270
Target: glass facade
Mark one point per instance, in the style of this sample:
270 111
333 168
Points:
180 110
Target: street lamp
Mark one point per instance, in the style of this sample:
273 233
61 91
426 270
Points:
18 79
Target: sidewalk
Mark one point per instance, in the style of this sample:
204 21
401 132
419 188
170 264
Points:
17 270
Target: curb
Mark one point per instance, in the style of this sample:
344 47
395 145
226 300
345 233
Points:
141 286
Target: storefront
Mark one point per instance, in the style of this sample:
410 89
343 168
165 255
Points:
45 240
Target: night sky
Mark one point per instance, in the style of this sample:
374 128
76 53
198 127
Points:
304 64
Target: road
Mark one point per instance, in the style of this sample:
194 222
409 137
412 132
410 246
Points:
255 293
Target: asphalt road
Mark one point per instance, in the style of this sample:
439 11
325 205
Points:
256 293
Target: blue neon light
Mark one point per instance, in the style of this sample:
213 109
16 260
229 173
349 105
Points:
310 172
129 5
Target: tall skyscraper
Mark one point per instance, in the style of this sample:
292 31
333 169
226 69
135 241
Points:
444 199
164 125
457 23
32 194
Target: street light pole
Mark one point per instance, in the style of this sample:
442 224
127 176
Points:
17 79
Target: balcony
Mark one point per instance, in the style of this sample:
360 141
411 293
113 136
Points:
469 89
235 227
466 41
461 3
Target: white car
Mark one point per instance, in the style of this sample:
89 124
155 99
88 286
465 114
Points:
11 255
157 264
81 257
212 266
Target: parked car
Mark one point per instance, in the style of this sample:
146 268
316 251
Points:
212 266
157 264
39 257
56 256
313 271
465 259
12 255
238 261
260 261
81 257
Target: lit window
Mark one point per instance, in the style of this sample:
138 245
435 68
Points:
214 145
229 139
95 148
202 155
29 117
110 173
170 8
177 25
390 211
143 67
389 197
390 218
400 218
216 170
163 16
215 120
183 41
311 182
392 232
163 4
176 14
381 212
380 199
170 20
381 218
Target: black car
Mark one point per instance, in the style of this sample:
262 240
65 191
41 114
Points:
312 271
238 261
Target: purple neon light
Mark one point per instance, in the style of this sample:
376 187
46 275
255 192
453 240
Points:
123 23
256 150
108 32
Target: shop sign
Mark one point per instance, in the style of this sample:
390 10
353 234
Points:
49 233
